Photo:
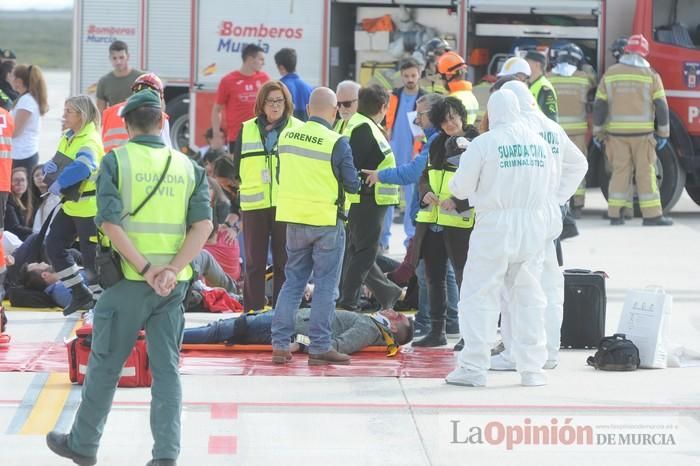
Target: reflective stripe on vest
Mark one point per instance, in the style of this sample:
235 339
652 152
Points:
86 206
571 96
160 227
113 128
384 194
308 191
7 129
439 181
258 168
630 106
471 105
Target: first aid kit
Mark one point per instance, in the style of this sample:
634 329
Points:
135 373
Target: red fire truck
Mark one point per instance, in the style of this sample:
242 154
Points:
191 44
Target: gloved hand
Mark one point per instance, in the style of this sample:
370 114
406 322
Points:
50 167
598 143
661 142
55 188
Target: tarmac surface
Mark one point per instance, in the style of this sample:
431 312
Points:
647 417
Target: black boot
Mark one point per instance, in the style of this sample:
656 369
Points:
81 299
657 221
435 337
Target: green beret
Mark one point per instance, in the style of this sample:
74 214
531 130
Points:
144 98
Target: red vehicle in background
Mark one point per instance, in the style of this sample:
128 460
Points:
673 30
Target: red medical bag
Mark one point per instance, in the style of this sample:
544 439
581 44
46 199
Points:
135 373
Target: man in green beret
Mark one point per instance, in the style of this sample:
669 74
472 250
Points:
153 205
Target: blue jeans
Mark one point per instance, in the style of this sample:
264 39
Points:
423 314
310 249
258 330
386 227
408 226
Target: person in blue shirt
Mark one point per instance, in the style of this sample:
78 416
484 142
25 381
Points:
402 101
286 61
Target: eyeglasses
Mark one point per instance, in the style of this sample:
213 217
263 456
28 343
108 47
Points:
275 101
347 103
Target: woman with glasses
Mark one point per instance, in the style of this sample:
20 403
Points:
70 174
256 165
443 223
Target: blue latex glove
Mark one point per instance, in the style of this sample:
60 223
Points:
50 167
598 143
661 142
55 188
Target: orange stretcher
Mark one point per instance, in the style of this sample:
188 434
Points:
223 347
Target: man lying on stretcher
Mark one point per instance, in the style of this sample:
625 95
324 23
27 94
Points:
352 332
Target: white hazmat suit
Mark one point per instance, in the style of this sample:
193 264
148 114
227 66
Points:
509 176
571 167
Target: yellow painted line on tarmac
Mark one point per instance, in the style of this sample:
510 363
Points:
48 406
52 398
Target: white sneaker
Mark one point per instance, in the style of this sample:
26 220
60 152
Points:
500 363
550 364
533 379
466 378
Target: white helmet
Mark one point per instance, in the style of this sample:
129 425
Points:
515 65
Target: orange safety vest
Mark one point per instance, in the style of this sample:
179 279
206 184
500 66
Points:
7 129
113 128
392 110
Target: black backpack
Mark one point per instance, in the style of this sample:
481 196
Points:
615 353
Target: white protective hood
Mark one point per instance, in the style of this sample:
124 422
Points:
633 59
503 108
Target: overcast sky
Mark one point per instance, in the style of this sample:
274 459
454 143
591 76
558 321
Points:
35 4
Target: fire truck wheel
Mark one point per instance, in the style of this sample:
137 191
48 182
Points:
694 193
178 109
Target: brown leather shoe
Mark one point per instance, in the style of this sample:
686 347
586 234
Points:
281 356
329 357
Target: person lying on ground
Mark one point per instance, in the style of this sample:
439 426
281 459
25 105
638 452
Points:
351 332
40 276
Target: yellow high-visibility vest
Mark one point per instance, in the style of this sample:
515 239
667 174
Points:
439 181
88 138
384 194
258 170
159 228
308 192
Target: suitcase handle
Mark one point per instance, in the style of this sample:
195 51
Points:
597 272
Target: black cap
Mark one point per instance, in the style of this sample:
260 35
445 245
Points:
536 56
7 54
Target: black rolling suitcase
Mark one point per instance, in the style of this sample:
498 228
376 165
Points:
583 325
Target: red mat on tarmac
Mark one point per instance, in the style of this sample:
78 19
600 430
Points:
423 362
